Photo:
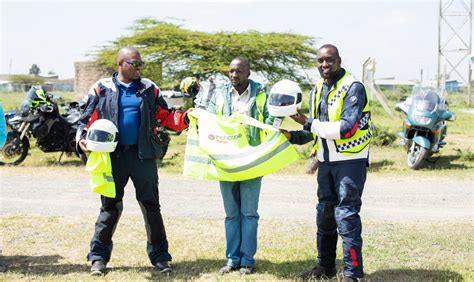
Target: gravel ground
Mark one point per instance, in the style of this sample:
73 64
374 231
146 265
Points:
64 191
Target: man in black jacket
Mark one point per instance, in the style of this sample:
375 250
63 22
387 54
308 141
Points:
136 107
340 119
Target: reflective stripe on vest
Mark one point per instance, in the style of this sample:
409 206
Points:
219 149
362 137
260 101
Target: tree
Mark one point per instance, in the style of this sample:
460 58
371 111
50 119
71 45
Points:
34 70
172 52
25 81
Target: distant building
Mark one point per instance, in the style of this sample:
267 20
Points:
52 83
390 84
86 74
452 86
6 86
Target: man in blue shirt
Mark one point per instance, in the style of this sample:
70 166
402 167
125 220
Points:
135 106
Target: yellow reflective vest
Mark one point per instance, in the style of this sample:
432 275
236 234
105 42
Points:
355 146
217 148
101 180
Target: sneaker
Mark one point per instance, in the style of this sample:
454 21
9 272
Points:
226 269
98 268
349 279
319 272
163 267
246 269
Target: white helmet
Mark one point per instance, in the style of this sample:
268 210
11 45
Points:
102 136
284 99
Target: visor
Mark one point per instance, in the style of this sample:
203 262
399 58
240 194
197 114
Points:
281 100
101 136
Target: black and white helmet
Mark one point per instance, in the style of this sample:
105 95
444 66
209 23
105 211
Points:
284 99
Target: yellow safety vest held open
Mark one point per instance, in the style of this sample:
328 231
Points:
217 148
349 148
260 101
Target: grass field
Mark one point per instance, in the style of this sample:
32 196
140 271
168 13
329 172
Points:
54 248
455 159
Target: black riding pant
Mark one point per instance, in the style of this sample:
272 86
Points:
340 189
125 165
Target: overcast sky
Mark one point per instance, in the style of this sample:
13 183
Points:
401 35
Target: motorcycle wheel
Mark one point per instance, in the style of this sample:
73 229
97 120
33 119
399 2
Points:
14 156
416 155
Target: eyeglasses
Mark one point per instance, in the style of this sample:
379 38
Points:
136 64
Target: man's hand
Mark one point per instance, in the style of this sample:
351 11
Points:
299 118
83 145
286 133
186 118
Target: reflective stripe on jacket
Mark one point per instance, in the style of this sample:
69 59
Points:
354 147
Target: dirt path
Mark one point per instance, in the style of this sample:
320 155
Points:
59 191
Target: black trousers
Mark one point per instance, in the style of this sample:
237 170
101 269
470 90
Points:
340 188
144 175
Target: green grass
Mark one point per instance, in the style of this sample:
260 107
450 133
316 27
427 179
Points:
54 248
455 159
12 101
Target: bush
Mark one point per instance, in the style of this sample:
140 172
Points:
382 136
25 80
465 155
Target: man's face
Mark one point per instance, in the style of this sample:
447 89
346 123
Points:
329 63
131 66
238 73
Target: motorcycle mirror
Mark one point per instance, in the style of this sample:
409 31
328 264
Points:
453 117
448 116
401 107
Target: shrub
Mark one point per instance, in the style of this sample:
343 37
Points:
382 136
465 155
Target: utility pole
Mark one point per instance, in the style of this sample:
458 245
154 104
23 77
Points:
455 42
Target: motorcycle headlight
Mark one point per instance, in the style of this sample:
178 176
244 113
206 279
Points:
422 120
24 109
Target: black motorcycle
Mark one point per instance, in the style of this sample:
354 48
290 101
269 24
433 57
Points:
39 117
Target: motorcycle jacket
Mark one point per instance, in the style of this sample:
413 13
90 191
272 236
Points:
353 144
102 103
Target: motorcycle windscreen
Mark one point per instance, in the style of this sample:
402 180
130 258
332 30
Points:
428 102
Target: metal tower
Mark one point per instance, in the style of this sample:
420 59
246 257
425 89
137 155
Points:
455 42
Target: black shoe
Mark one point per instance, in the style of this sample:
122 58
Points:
98 268
226 269
319 272
163 267
349 279
246 269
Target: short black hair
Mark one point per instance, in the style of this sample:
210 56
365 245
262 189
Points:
244 61
332 47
